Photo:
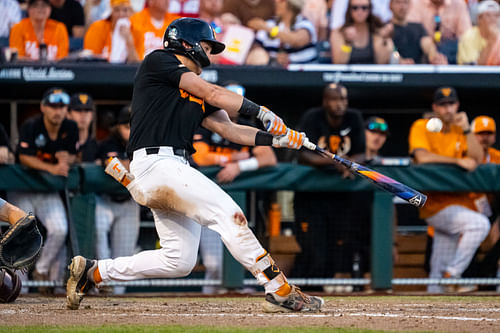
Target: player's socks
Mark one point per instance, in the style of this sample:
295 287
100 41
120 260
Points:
97 276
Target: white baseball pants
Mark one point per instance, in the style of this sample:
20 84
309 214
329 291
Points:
458 233
49 209
182 199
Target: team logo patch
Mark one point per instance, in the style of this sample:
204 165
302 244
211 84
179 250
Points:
446 91
172 33
40 141
83 98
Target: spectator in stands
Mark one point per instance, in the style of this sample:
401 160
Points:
184 8
444 20
6 155
234 159
287 39
323 219
411 40
358 40
339 11
316 12
245 10
10 14
480 45
210 11
459 228
47 142
113 38
149 25
81 111
69 12
117 214
37 37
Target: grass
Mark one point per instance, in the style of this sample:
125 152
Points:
180 329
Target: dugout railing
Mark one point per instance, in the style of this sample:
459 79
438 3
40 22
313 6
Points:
85 180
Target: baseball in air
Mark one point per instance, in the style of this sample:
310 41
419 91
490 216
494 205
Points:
434 125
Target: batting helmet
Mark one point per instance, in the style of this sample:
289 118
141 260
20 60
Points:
10 286
191 31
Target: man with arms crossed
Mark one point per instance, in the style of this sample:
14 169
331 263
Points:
458 224
165 115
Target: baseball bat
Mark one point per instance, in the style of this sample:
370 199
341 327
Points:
390 185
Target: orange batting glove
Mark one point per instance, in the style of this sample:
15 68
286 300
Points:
272 122
292 139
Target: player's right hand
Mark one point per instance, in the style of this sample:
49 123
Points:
292 139
272 122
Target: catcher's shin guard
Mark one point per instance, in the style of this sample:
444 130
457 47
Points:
80 280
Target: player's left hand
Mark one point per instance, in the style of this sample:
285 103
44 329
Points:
272 122
228 173
292 139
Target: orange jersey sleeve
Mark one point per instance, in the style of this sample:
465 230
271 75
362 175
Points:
494 155
418 138
98 38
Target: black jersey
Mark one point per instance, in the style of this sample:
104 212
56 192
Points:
88 151
34 139
113 146
348 139
162 113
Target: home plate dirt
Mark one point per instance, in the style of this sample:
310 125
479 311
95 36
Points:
443 314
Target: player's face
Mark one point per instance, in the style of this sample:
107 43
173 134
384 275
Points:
121 11
446 111
335 106
82 118
39 10
54 114
400 8
486 139
375 140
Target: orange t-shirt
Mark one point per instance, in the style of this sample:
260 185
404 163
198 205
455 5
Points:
493 156
147 37
451 144
98 38
55 36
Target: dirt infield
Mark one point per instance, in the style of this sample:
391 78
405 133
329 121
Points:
443 314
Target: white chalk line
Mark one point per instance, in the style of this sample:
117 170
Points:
283 315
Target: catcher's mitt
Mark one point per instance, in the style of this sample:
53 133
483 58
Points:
21 244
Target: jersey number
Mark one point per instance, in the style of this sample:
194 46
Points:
185 94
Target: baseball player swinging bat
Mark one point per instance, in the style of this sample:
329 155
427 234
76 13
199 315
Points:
390 185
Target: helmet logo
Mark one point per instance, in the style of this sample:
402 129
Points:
172 33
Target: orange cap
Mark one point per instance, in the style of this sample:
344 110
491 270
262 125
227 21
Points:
483 124
115 3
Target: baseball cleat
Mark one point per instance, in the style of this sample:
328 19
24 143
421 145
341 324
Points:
80 280
296 301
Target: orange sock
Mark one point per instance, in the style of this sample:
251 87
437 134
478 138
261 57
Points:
97 276
284 290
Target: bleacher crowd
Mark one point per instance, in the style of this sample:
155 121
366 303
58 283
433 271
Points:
259 32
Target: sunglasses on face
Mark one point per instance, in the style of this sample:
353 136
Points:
57 98
361 7
382 127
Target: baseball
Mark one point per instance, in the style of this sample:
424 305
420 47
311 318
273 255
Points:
434 125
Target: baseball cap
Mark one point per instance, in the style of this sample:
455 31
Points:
30 2
488 6
483 124
124 115
115 3
377 124
445 95
55 96
81 101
